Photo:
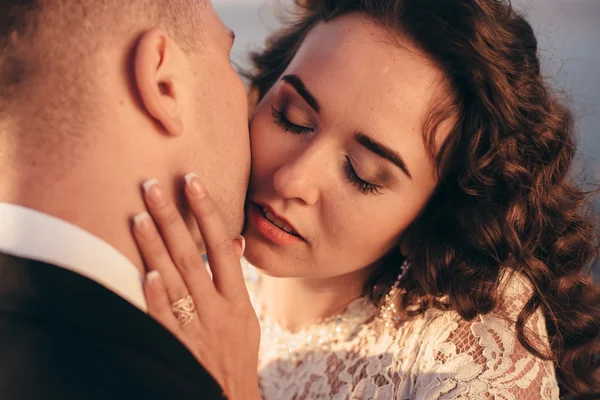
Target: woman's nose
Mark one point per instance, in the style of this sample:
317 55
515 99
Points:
299 178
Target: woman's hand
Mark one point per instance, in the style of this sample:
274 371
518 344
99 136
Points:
220 326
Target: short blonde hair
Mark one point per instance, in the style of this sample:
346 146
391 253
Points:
41 36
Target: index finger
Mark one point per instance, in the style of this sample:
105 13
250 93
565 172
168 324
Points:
220 246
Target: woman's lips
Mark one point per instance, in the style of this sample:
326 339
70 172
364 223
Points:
269 229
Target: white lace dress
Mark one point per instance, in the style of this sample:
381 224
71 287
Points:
362 354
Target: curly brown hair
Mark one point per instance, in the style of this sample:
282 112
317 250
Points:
505 200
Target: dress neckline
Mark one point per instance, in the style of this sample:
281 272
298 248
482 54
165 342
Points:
321 335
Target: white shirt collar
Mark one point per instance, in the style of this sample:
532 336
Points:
33 235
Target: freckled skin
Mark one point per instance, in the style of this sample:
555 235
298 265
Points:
386 93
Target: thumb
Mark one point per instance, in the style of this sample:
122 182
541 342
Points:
240 245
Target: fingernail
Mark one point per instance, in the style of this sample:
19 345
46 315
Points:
242 241
143 225
195 187
152 277
154 193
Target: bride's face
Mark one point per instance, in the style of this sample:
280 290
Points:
338 155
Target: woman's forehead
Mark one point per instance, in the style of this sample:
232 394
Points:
358 73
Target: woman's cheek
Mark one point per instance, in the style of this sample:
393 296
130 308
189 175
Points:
260 131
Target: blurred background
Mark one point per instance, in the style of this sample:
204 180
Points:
568 32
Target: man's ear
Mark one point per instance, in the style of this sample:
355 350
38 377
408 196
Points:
157 69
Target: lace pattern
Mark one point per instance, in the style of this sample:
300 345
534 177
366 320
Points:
435 356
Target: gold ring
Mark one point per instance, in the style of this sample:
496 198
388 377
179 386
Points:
184 310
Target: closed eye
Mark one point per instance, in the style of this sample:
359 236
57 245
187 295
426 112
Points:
363 186
285 124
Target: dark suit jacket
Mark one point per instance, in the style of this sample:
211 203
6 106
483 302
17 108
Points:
63 336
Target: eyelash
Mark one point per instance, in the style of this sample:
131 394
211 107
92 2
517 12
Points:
285 124
362 185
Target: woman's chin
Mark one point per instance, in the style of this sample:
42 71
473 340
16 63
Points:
265 263
267 260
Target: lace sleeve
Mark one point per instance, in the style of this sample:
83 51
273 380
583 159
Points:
482 359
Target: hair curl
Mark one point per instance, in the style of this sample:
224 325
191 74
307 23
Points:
505 201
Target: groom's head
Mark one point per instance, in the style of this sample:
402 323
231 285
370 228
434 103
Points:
98 95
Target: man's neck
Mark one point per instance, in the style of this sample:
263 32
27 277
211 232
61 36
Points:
86 197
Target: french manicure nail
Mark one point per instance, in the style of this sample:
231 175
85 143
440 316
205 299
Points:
148 184
195 186
152 277
242 241
142 224
153 192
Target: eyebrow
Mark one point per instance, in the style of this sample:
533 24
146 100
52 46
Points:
297 84
382 151
377 148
